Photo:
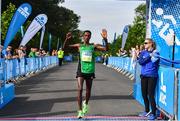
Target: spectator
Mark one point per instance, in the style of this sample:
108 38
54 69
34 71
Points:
47 54
141 48
56 53
32 54
44 53
24 51
1 49
16 54
21 52
137 47
53 53
106 59
8 53
102 56
149 75
40 52
122 52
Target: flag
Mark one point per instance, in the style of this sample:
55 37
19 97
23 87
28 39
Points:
38 22
124 36
20 16
42 36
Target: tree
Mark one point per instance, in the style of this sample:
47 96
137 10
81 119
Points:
114 47
6 19
137 31
60 19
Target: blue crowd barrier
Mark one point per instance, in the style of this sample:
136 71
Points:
14 68
68 58
164 89
137 85
167 91
124 63
7 93
2 74
98 59
178 98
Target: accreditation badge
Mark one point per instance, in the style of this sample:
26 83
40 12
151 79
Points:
86 56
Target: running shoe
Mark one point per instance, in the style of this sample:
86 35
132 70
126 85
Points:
151 117
80 114
85 108
143 114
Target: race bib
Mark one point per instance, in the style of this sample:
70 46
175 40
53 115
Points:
86 56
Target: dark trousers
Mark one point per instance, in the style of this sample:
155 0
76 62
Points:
60 61
148 85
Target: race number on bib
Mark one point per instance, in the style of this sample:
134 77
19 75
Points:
87 56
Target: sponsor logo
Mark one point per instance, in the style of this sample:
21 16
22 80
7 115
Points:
1 98
40 20
24 11
162 97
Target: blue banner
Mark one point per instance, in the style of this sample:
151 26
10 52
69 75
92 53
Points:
125 35
20 16
178 99
7 93
165 23
165 89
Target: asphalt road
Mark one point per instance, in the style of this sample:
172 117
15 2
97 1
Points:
53 94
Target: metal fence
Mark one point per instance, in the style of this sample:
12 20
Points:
14 68
167 90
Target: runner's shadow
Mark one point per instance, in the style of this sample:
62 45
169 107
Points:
23 107
106 97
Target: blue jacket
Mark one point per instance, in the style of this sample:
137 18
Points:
149 65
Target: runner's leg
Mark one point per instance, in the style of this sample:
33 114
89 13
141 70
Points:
88 89
80 81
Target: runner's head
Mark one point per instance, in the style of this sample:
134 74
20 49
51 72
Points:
86 36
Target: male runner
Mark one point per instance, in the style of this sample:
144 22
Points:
86 66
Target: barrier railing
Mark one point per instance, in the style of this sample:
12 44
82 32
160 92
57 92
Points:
15 68
167 90
68 58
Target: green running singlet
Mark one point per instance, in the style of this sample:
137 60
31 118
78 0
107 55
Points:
87 58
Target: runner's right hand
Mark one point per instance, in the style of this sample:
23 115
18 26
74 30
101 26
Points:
104 33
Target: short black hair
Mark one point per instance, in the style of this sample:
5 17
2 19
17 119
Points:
87 31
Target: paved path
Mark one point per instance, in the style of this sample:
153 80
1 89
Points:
53 93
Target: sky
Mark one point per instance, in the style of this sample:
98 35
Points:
95 15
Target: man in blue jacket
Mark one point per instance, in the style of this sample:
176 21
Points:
149 74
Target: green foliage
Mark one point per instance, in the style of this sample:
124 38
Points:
114 47
60 20
6 19
137 31
136 34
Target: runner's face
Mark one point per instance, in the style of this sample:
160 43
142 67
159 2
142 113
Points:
86 37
